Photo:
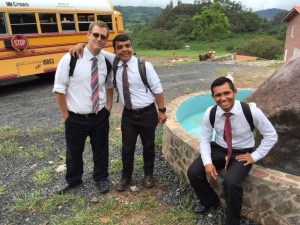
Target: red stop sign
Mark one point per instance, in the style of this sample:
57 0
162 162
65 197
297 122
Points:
19 42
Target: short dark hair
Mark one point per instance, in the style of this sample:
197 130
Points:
220 81
122 38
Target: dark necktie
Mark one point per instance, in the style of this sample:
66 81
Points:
95 85
228 137
126 92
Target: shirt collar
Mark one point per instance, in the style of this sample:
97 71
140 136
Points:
89 55
130 63
235 109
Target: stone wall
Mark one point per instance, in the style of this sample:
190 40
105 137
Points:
270 197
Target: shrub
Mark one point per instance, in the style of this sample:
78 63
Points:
266 48
230 48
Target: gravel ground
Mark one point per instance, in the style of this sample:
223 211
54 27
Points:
30 106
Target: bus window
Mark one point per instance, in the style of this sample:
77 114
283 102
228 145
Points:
23 23
3 29
84 21
116 24
48 22
107 19
67 22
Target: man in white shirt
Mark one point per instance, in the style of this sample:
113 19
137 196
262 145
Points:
85 102
216 155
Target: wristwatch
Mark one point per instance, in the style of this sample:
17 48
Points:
163 110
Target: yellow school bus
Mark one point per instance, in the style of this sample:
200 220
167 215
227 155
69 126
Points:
34 35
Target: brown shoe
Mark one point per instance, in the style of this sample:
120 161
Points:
123 184
149 181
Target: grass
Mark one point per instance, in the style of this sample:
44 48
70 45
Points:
2 191
115 135
158 140
43 177
113 212
34 201
10 147
27 202
116 165
106 207
8 132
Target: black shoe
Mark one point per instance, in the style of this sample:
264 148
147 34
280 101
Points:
202 209
123 184
149 181
102 186
65 186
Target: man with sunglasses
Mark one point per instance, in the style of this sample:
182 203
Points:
85 102
140 116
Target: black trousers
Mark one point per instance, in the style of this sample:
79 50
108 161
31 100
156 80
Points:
77 129
236 173
132 125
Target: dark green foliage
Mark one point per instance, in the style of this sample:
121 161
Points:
212 23
279 17
265 47
162 40
230 48
279 32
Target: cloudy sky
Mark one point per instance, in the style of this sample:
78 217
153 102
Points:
254 4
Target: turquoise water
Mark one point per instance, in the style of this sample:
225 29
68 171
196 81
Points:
190 113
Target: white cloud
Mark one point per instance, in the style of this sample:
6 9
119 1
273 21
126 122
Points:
254 4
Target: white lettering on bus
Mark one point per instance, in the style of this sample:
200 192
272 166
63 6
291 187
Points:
19 42
17 4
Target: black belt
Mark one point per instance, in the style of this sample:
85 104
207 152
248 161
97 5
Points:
142 110
83 115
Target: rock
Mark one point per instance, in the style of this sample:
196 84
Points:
278 97
61 168
134 188
95 200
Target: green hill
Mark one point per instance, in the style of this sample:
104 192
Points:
139 15
270 13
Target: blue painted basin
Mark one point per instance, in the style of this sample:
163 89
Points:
190 113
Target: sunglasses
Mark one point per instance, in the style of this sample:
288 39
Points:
96 35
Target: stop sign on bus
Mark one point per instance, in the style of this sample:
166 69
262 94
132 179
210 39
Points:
19 42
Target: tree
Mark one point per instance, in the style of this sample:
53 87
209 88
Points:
212 23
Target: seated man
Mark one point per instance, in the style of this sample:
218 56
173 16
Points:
232 150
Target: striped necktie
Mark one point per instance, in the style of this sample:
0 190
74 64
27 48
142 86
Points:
228 137
126 93
95 85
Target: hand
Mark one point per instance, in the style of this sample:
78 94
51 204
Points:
77 51
108 107
162 117
211 171
245 157
65 117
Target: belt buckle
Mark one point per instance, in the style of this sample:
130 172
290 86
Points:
136 111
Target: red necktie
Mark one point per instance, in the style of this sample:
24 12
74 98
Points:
228 137
95 85
126 92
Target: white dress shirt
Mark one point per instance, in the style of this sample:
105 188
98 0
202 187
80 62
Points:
139 95
78 88
242 136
